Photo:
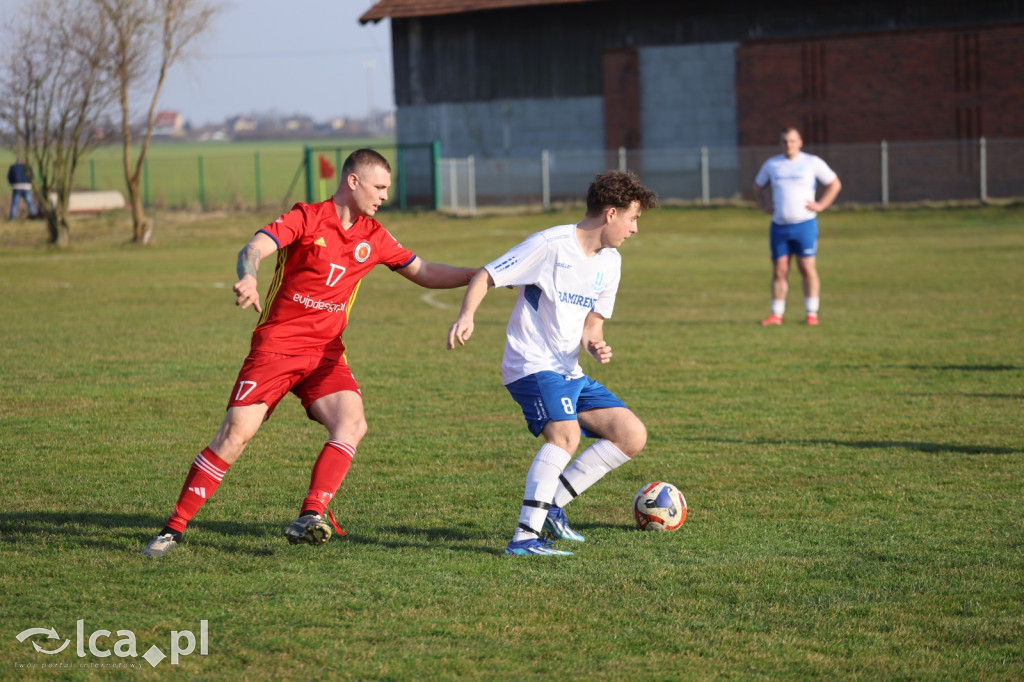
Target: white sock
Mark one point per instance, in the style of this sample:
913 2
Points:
812 305
541 483
778 306
587 469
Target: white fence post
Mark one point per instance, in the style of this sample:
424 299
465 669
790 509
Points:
705 177
545 179
471 181
983 170
885 174
453 185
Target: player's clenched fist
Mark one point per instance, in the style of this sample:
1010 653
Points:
460 332
248 293
600 351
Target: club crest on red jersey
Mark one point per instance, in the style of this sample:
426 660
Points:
362 251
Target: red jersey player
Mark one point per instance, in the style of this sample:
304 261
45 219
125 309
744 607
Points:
323 252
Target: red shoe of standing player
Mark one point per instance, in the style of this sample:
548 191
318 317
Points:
812 320
771 319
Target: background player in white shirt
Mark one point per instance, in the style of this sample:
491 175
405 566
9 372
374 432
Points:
568 277
794 177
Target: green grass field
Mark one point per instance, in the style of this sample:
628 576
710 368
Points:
854 490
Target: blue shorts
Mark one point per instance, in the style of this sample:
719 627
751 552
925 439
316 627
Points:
798 239
548 396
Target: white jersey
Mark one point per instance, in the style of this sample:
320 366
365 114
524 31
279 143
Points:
559 286
793 184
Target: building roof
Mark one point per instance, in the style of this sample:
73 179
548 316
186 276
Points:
407 9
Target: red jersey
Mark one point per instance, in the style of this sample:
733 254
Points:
319 268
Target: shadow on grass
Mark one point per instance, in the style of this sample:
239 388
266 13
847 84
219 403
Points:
920 446
449 538
992 396
600 525
437 534
99 530
942 368
968 368
109 531
433 538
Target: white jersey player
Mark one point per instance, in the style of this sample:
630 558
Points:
794 178
561 286
793 183
568 277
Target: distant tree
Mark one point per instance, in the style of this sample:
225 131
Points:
54 92
147 38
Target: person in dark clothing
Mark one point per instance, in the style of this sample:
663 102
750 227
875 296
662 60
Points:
20 178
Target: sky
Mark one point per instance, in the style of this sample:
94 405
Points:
282 57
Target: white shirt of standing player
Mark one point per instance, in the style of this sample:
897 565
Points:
794 182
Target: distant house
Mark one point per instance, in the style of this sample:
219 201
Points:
168 124
297 124
240 125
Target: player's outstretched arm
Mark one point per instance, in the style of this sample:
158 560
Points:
462 328
437 275
593 338
247 287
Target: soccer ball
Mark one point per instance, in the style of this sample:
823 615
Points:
659 506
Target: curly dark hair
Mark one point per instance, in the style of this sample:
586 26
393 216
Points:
618 189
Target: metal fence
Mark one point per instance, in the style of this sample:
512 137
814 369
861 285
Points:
262 175
872 174
272 175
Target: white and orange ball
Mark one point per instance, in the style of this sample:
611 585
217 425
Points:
659 506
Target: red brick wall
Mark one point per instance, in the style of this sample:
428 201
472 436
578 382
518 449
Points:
621 89
900 86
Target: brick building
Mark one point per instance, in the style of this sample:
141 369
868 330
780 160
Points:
938 84
505 80
657 72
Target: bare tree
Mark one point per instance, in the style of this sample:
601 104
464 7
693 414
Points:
54 92
147 38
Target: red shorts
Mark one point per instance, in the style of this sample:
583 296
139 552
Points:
268 377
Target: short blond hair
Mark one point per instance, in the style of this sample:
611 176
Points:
364 157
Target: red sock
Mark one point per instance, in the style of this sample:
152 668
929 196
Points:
204 476
328 473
